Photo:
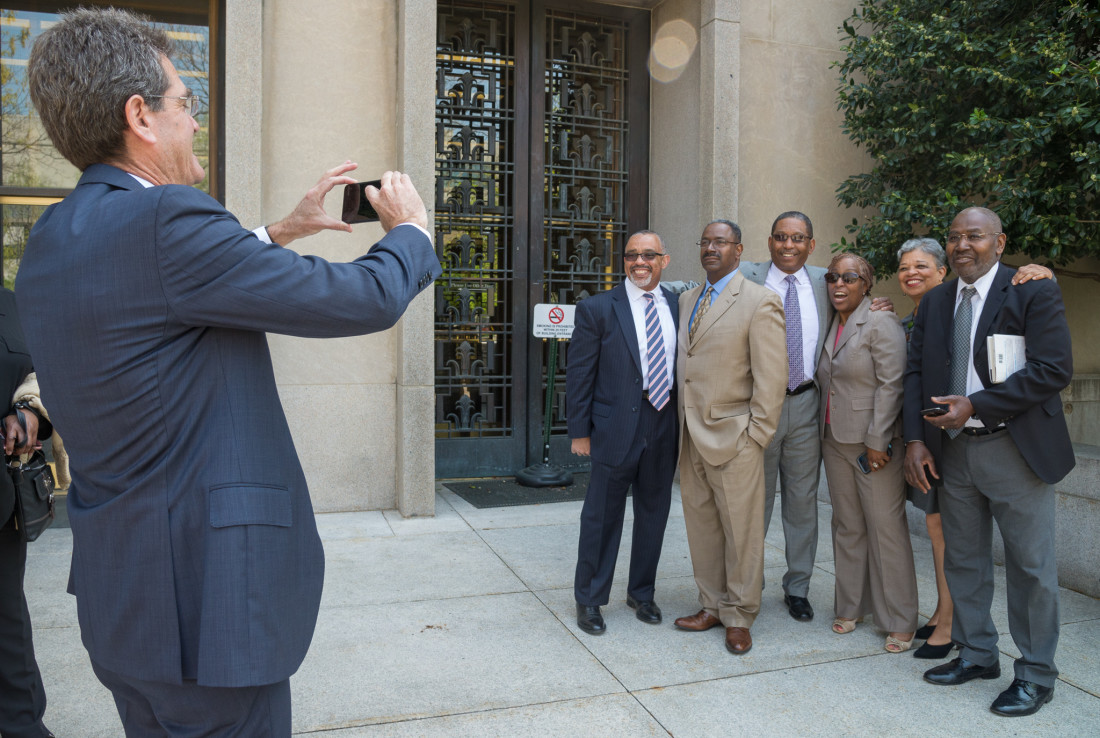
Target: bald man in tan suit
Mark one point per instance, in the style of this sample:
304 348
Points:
732 372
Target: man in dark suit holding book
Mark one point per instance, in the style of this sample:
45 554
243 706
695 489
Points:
1003 447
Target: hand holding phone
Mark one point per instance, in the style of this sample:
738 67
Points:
865 466
396 201
357 208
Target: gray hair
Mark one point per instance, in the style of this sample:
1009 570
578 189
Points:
84 69
929 246
647 232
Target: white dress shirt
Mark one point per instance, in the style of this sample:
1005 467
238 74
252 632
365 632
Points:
982 285
776 281
636 296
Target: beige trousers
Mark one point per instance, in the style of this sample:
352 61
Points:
871 548
724 516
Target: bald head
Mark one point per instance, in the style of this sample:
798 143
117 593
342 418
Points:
974 243
993 218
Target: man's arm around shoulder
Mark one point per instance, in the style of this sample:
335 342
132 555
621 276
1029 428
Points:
768 358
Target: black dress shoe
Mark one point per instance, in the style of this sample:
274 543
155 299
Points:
928 651
924 631
590 620
798 607
645 610
1022 698
960 671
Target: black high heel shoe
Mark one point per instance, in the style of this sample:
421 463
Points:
928 651
924 631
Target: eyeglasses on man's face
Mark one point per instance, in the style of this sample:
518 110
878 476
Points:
794 237
848 277
719 242
632 256
191 103
955 238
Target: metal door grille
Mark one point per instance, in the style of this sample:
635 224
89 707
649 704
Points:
539 180
585 175
474 220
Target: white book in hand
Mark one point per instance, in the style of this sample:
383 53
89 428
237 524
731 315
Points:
1006 356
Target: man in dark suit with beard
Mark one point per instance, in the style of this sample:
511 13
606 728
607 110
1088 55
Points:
622 412
1002 445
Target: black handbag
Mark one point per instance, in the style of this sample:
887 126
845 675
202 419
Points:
34 500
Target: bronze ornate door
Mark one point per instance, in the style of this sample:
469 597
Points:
541 175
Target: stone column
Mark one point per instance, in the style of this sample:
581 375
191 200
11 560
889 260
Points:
244 91
415 428
719 100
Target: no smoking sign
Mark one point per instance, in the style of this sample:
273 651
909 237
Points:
553 321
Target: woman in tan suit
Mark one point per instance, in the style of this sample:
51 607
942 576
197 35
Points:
860 375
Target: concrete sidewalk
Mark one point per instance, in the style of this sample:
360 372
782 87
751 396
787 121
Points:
464 624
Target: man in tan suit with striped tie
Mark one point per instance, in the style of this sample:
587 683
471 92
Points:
731 370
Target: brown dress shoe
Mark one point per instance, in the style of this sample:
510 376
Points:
701 620
738 641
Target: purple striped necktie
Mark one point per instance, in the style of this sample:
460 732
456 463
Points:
659 386
795 359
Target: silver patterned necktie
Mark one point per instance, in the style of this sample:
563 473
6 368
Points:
960 348
700 312
659 386
795 359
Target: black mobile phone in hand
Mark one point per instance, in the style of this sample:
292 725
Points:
865 466
357 208
933 412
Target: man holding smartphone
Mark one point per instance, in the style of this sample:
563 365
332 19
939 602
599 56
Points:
204 598
1003 447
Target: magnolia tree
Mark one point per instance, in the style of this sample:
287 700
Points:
974 102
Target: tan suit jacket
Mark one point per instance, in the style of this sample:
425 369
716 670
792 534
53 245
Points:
861 378
732 380
724 399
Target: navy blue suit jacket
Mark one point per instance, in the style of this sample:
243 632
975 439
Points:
604 377
195 552
1028 403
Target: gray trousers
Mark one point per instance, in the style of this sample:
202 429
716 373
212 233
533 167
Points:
794 456
986 479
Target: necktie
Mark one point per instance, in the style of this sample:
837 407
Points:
700 312
795 358
659 386
960 349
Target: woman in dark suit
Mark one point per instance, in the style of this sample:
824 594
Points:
860 375
22 697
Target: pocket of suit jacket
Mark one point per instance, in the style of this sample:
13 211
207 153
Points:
250 505
731 419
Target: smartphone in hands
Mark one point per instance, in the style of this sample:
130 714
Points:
357 208
865 466
933 412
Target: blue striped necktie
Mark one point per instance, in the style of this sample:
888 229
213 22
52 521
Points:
655 352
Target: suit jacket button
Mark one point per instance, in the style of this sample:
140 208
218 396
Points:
633 409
